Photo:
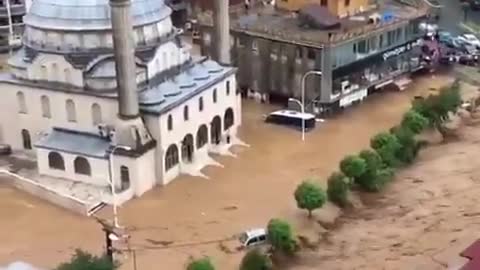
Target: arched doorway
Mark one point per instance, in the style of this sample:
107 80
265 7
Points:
187 148
216 130
125 178
202 136
171 157
27 142
228 119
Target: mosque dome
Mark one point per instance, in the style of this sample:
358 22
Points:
85 25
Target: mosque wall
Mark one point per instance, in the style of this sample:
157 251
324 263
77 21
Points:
141 172
99 168
168 55
39 110
54 68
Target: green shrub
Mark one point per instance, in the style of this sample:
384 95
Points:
369 180
387 146
353 166
82 260
408 149
201 264
414 121
255 260
281 237
309 196
338 186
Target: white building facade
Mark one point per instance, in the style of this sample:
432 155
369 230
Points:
62 100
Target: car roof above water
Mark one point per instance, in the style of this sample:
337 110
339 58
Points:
255 232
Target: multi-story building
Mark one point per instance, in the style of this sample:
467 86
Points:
17 11
342 8
357 54
183 9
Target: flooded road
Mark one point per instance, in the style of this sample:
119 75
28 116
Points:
246 193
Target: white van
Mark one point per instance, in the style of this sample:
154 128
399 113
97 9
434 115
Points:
253 237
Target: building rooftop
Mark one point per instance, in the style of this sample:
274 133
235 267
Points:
267 22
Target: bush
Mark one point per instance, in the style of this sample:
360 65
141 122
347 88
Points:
337 191
82 260
201 264
414 121
387 146
255 260
309 196
370 180
280 236
408 145
353 166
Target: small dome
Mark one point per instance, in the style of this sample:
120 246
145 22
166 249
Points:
199 73
82 15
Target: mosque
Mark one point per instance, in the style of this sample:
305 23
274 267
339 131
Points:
107 91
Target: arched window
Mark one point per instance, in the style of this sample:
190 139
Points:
200 104
82 166
71 112
185 113
55 161
214 95
27 142
228 119
96 114
22 105
170 122
68 75
171 157
202 136
45 107
124 177
227 87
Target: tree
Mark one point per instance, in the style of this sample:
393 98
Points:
370 180
338 186
353 166
281 237
255 260
201 264
414 121
409 147
82 260
386 145
309 196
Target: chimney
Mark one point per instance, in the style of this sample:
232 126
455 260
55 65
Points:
221 22
124 51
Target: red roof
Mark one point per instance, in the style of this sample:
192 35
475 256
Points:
473 254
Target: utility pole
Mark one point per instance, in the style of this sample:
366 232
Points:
111 234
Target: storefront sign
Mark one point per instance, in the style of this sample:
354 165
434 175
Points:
400 49
349 99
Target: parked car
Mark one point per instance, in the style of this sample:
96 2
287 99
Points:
469 39
467 59
446 38
5 149
253 237
475 4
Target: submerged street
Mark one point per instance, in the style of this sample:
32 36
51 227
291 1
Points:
246 193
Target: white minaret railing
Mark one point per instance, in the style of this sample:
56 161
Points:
14 40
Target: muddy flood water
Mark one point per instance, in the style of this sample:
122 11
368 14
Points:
167 224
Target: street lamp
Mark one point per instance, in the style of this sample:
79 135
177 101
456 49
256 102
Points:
112 182
304 78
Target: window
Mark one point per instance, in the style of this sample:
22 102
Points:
311 54
82 166
185 113
45 106
96 114
55 161
214 95
200 104
170 122
71 113
380 42
124 178
324 2
228 119
171 157
228 88
27 142
355 48
22 105
347 3
372 43
362 47
202 136
390 38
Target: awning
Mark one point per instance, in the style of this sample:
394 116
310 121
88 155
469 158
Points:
75 142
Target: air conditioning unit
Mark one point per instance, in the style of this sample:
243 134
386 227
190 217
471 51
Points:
103 130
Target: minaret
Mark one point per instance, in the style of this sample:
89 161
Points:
129 130
221 22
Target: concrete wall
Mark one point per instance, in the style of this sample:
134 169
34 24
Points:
99 168
47 194
33 120
167 56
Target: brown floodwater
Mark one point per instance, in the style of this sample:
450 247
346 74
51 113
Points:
246 193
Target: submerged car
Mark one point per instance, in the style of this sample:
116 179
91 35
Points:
469 39
292 118
253 237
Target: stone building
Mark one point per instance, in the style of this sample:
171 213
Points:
357 55
17 11
94 102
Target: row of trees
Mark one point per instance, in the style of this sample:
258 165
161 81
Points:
373 168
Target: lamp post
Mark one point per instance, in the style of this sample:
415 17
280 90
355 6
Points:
304 78
112 183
